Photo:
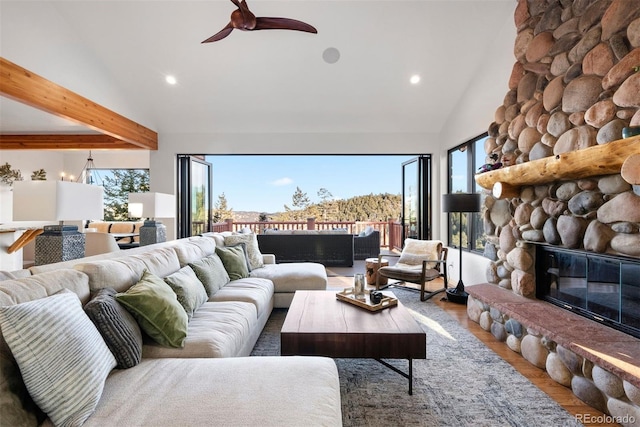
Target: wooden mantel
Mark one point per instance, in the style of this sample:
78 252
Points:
605 159
116 131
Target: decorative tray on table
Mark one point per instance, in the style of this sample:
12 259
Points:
347 295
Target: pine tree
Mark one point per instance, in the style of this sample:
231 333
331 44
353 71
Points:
117 188
221 210
300 200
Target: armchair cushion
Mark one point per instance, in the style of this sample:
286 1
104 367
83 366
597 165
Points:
412 274
415 251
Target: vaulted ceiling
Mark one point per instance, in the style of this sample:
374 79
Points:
118 53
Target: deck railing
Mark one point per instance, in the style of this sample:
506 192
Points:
390 231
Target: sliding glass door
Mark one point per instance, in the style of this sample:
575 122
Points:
416 198
194 196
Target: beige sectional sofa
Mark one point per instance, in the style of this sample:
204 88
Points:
206 381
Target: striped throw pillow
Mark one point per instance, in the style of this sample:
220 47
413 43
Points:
62 357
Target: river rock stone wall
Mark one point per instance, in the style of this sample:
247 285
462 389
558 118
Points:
575 84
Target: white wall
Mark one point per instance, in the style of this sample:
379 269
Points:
473 114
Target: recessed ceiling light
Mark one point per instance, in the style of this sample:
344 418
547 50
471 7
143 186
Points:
171 80
415 79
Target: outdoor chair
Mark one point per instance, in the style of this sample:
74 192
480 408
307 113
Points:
421 261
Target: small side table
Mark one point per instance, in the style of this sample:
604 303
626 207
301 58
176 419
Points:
371 265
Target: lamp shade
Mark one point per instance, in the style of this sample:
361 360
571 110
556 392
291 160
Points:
154 205
461 202
56 201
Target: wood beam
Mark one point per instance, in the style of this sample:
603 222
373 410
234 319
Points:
605 159
29 88
63 142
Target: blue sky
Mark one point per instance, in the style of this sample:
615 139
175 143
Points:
266 183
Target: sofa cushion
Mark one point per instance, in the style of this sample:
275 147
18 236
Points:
157 310
247 391
290 277
16 405
258 292
160 261
16 274
119 274
194 249
118 328
188 288
235 260
218 237
42 285
217 329
64 371
211 272
254 256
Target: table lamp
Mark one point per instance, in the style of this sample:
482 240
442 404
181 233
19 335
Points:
151 206
460 202
57 201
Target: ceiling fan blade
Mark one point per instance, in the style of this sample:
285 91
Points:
283 24
220 34
244 9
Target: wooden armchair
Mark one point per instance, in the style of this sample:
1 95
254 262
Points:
421 261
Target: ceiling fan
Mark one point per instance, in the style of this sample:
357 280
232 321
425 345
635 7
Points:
243 19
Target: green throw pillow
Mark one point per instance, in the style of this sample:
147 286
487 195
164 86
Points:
211 272
189 290
254 257
156 308
234 260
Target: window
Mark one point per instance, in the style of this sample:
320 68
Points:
463 161
118 183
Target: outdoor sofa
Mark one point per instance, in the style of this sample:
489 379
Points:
331 248
185 368
366 244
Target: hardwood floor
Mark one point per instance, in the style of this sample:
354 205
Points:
562 395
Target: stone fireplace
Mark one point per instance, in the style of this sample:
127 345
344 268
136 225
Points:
574 86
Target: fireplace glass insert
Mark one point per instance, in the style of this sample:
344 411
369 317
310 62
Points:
601 287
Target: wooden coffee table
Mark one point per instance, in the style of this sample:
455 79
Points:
317 324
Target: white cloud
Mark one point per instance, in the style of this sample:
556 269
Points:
282 181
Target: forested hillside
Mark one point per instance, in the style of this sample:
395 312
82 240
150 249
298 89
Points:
372 207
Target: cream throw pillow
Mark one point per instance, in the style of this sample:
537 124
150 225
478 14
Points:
415 251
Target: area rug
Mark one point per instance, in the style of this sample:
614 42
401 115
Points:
461 383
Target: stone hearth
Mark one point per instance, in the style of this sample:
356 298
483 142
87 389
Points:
599 364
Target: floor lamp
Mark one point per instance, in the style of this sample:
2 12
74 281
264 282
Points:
460 202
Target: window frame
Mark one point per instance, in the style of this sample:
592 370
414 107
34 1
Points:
472 148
